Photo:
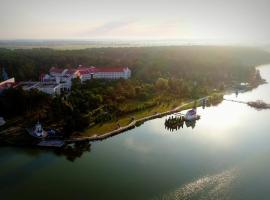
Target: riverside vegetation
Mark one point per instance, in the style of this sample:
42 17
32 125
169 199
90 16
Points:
162 79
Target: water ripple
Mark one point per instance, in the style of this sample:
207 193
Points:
206 188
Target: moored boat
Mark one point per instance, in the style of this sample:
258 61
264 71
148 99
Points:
2 121
191 115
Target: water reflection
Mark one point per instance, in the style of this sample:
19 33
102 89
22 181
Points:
225 157
215 186
71 151
176 123
74 151
22 173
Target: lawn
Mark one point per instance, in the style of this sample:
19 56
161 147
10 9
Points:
100 129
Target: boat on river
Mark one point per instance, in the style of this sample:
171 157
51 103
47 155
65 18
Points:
2 121
191 115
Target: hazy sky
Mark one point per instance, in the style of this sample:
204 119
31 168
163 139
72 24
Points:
226 20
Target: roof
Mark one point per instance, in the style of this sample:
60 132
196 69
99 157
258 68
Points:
110 69
56 70
9 81
6 85
70 71
89 70
83 70
192 112
85 67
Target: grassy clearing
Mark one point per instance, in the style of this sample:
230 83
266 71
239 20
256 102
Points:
100 129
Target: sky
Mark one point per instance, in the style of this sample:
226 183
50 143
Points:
220 20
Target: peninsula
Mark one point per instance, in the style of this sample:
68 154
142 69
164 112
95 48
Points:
96 93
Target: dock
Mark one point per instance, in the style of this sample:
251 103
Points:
51 143
259 104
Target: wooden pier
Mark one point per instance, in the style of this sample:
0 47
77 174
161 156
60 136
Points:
259 104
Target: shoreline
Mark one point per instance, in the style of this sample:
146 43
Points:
19 138
138 122
133 124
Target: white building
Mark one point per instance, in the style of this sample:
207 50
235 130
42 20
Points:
49 88
65 76
46 87
112 73
103 73
61 79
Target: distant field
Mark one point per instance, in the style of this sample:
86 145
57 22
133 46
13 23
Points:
64 46
85 44
57 47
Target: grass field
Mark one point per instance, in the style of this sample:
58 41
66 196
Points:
125 120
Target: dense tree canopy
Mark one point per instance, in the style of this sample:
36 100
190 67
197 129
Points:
158 73
146 63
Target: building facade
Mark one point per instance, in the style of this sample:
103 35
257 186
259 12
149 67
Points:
65 76
58 80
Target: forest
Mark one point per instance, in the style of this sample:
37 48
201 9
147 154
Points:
159 74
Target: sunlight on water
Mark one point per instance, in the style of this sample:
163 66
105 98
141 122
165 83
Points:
224 156
208 187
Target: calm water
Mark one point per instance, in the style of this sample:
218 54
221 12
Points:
226 156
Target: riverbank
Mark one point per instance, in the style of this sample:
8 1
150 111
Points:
13 133
227 153
137 122
109 129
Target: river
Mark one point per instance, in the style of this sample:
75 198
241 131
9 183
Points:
225 156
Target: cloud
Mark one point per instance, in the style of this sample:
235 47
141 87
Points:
137 29
107 28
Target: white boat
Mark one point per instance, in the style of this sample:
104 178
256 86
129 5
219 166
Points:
2 121
192 115
37 131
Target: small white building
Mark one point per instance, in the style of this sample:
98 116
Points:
49 88
46 87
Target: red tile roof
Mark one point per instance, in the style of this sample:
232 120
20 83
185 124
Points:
85 67
6 84
71 71
56 70
110 69
82 70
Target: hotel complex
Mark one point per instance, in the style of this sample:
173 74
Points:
58 79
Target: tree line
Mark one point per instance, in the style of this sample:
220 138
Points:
158 74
